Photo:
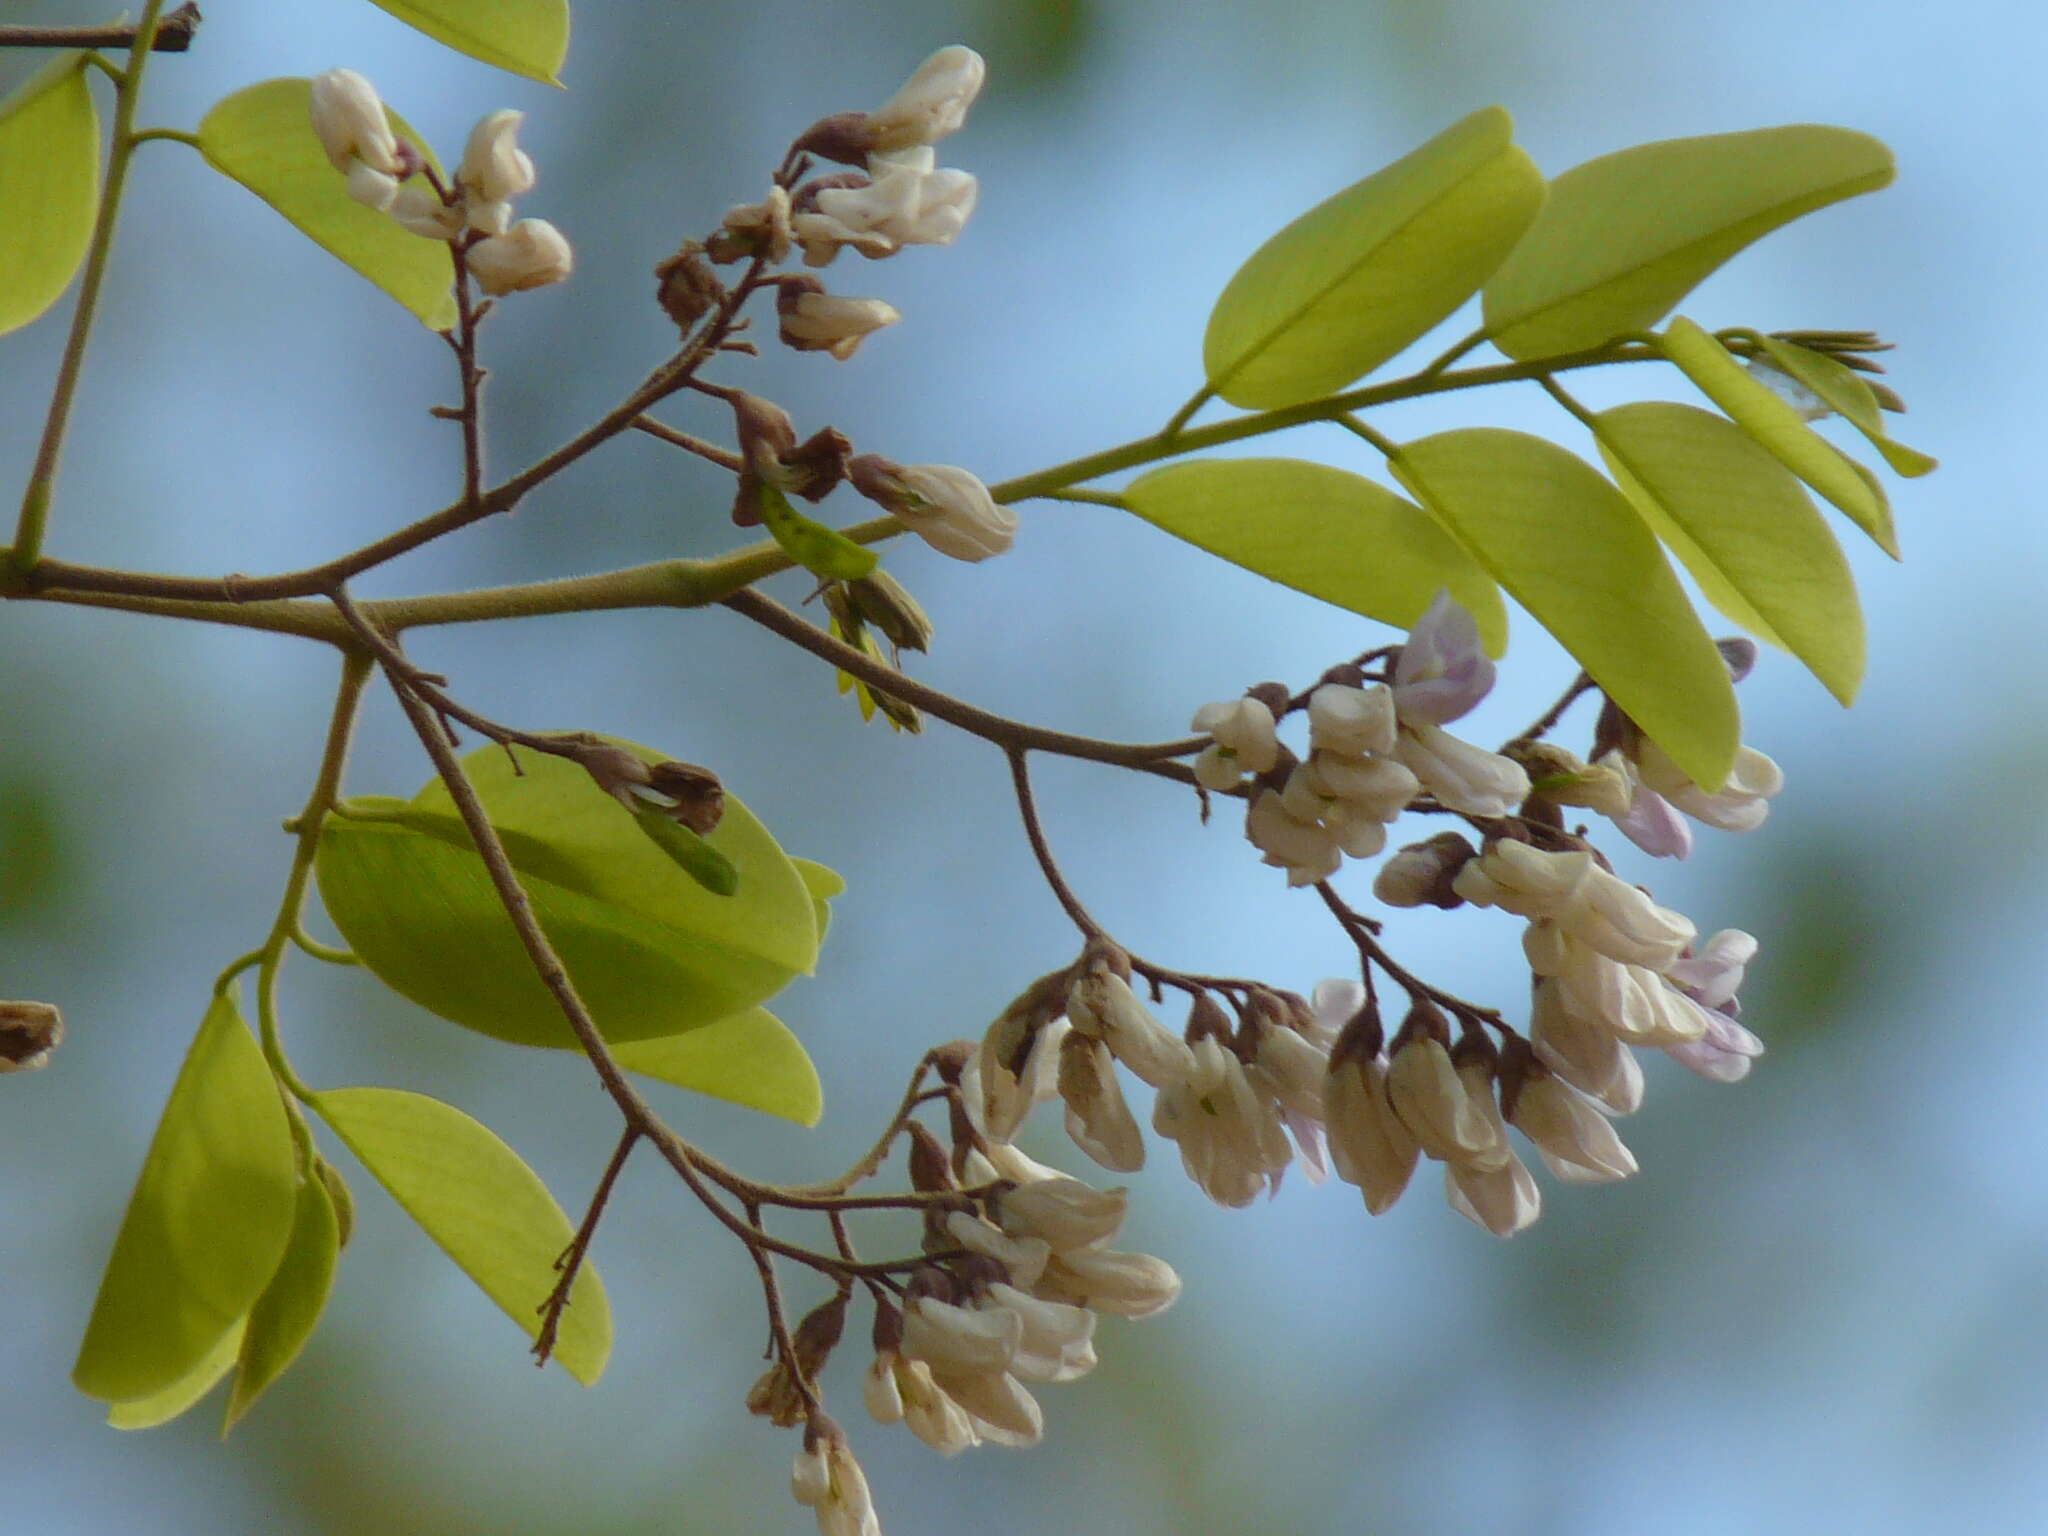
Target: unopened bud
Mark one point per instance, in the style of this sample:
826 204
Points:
29 1033
686 287
931 1168
1421 874
531 254
884 603
816 321
780 1395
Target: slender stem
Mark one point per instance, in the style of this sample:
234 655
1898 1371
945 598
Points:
172 35
171 135
355 671
1186 413
570 1264
1027 808
724 458
1452 353
1359 928
467 315
34 519
1012 735
319 951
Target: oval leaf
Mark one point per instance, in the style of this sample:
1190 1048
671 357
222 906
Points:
750 1059
1842 389
185 1393
486 1209
1567 545
49 187
1624 237
651 951
527 37
289 1309
1758 410
206 1225
1357 278
1323 531
1745 528
263 138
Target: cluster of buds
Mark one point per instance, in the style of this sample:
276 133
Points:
899 197
1374 747
390 175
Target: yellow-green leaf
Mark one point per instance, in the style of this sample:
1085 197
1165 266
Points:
1745 528
1323 531
263 138
527 37
1761 412
49 187
1842 389
486 1209
289 1309
824 884
1624 237
206 1225
184 1393
1567 545
1357 278
750 1059
651 951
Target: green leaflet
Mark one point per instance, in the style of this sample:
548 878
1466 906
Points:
1357 278
263 138
651 951
750 1059
1759 411
1323 531
1570 549
527 37
823 884
1844 392
825 552
1624 237
206 1226
289 1309
49 163
486 1209
1744 527
184 1394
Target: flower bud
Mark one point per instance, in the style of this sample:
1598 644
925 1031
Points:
1064 1212
884 603
349 118
494 169
29 1033
531 254
1352 722
1128 1284
1243 727
942 504
1422 874
1464 778
932 103
816 321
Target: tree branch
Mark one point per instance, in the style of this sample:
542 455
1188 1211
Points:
173 34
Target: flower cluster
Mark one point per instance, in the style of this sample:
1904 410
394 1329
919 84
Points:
1372 750
901 198
390 175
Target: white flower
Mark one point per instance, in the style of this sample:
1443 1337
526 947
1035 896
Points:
1243 728
1588 903
1582 1050
953 1339
831 322
531 254
902 204
1002 1098
1304 848
1575 1139
1062 1212
1351 722
494 170
900 1391
420 211
1379 787
1740 805
932 103
1497 1192
1022 1257
1101 1003
1442 671
942 504
1370 1146
1430 1097
1605 787
1128 1284
349 118
1463 777
1218 769
828 1480
1709 978
1057 1341
1098 1118
1231 1140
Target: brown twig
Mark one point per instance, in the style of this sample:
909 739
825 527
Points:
173 34
570 1264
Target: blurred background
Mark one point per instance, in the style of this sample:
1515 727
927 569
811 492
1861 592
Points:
1815 1307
